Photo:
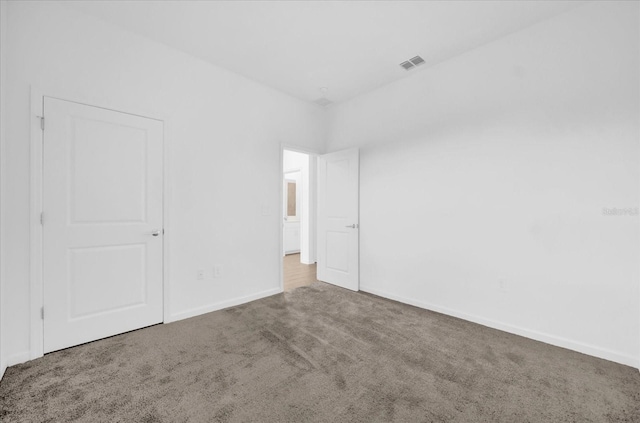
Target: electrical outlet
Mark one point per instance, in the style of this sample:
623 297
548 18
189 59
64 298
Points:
217 270
200 274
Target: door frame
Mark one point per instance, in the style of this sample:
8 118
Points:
36 188
313 191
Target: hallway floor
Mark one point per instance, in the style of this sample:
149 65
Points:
297 274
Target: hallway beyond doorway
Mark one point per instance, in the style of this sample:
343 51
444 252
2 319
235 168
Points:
297 274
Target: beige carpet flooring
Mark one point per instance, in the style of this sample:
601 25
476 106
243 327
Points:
296 274
319 354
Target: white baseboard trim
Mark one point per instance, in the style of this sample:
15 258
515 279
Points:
223 304
26 355
19 358
527 333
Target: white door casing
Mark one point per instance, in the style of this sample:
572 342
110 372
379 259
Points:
338 223
102 202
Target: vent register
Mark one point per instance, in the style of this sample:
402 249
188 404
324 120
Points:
412 63
406 65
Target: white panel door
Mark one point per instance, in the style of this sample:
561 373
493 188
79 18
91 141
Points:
102 229
338 227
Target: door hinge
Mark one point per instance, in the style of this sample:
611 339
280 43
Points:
42 218
42 313
41 122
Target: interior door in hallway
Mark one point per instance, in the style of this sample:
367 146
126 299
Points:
338 223
102 202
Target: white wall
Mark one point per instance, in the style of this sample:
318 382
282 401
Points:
3 64
483 181
218 123
293 160
483 178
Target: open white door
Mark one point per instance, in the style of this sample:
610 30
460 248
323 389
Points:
102 233
338 227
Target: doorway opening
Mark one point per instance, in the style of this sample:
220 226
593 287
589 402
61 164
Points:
298 219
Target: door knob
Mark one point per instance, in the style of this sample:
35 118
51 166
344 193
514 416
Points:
354 226
155 233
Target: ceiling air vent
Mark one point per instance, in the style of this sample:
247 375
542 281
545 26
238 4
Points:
412 63
417 60
407 65
323 102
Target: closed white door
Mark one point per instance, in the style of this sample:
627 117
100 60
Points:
338 227
102 221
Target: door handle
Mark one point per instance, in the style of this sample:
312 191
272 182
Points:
155 233
354 226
